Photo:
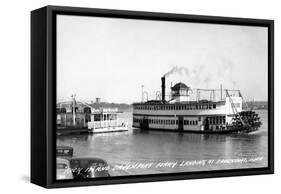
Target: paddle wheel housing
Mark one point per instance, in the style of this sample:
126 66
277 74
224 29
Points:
247 119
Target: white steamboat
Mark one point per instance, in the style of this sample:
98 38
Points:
182 114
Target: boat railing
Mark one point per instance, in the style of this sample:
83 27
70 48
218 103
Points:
106 124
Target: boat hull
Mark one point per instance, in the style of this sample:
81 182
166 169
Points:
232 129
68 131
71 130
109 129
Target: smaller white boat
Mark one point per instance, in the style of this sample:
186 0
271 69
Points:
106 120
80 117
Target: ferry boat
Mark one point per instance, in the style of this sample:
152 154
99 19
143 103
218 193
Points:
80 117
182 114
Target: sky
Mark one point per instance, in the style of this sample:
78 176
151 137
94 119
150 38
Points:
112 58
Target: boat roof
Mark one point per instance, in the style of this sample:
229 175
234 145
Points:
179 103
180 86
62 160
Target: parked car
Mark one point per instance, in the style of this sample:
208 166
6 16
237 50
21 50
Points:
63 169
89 168
65 152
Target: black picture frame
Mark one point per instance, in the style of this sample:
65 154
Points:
43 94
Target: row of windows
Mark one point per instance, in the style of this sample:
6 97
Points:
192 122
104 117
167 122
217 120
176 107
162 122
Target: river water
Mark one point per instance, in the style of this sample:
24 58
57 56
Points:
137 152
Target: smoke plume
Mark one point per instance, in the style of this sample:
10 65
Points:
178 70
218 70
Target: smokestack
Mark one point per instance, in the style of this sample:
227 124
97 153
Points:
163 88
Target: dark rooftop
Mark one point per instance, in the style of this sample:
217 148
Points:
180 86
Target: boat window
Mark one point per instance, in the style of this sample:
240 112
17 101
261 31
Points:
97 117
214 105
